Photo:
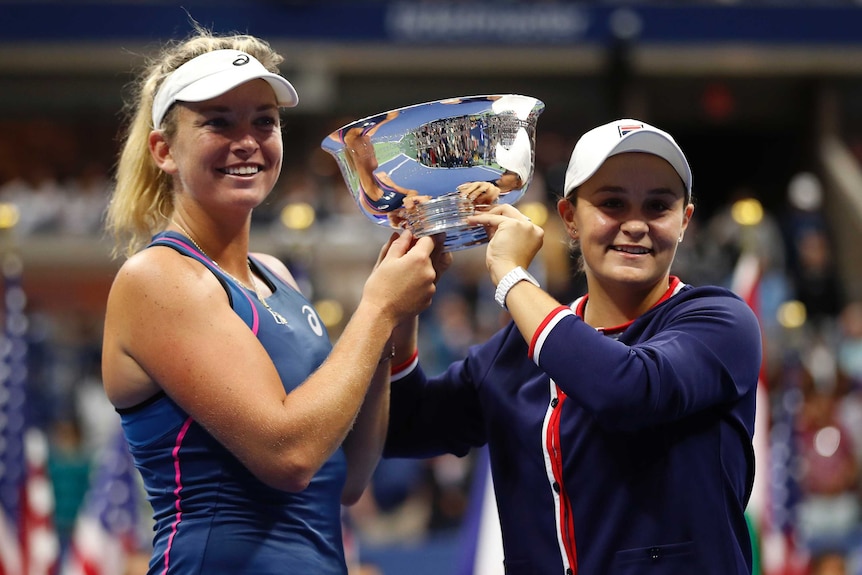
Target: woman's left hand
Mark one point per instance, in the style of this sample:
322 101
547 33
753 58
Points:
514 239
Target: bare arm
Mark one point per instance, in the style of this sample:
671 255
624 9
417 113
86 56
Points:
169 326
364 444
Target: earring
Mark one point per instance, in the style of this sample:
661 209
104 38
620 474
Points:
679 241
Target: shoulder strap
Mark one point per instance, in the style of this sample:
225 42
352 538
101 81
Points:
238 299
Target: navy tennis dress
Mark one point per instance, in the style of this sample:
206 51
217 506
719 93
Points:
211 514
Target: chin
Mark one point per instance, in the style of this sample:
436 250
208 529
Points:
635 277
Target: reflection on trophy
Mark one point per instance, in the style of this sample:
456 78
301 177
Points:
428 166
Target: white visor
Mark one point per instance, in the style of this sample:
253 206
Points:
212 74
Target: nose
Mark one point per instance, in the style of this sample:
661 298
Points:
635 226
244 144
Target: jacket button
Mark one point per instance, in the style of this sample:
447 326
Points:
655 553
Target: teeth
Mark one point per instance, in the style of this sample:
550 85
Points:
631 250
242 171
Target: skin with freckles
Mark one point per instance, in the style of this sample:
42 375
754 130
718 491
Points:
239 129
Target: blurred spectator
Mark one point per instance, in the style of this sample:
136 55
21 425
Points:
810 262
450 330
816 282
802 213
69 471
831 562
38 197
85 201
402 515
742 225
849 370
850 345
829 511
451 482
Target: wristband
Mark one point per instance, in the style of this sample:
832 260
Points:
414 358
509 280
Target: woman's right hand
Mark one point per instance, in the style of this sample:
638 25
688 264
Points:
402 283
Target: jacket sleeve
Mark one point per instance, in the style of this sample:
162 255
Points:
441 414
703 354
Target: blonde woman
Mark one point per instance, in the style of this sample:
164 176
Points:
242 417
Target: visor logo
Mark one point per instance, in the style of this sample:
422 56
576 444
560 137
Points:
241 60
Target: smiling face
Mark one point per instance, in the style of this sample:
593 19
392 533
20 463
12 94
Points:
227 149
628 219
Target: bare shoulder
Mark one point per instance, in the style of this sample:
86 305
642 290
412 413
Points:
158 296
278 267
160 267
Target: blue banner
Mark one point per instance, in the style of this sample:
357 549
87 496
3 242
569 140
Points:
471 23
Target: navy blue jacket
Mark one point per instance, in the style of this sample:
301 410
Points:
613 452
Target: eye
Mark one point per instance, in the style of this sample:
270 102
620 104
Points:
658 206
268 121
216 122
612 203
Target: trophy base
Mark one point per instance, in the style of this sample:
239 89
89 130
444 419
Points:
446 214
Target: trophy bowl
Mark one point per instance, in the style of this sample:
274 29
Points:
427 167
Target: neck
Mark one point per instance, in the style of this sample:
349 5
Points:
609 308
231 257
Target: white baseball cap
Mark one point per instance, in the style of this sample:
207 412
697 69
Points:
212 74
617 137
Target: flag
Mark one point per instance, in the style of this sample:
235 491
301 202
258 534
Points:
481 550
13 379
780 550
770 510
28 543
106 530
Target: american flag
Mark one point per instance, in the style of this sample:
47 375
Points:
771 508
106 530
28 543
782 553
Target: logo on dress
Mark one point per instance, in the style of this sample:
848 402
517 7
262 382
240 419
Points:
313 320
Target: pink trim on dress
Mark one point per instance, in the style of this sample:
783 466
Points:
178 480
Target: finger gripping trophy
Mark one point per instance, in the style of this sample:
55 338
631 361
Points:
426 167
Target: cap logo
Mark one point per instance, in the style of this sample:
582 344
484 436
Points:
241 60
630 128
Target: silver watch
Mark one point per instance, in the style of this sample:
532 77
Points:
509 280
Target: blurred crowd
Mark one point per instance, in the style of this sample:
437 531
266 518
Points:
812 334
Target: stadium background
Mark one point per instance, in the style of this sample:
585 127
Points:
756 92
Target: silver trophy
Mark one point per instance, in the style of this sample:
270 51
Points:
428 166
